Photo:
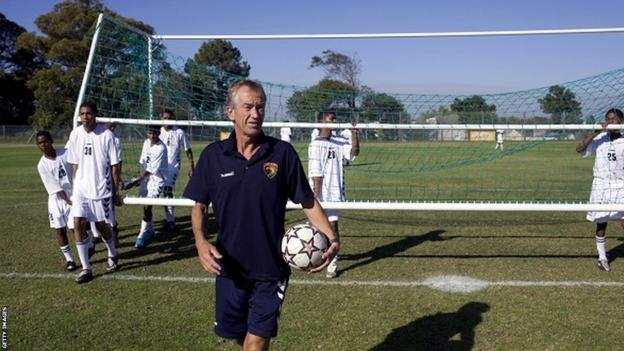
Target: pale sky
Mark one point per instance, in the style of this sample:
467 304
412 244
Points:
446 66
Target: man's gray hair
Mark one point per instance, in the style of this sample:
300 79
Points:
251 84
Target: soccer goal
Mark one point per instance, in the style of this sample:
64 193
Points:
513 151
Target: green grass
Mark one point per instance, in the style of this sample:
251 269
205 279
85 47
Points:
54 314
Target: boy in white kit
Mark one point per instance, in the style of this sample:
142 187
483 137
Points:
326 171
153 179
608 183
95 159
55 174
175 139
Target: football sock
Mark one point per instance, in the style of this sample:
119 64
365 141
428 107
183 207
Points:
600 245
67 253
169 213
83 252
144 227
110 246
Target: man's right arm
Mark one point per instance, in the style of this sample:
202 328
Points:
207 253
586 141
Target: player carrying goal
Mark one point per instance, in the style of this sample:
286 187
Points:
608 183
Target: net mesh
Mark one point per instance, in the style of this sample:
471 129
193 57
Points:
535 165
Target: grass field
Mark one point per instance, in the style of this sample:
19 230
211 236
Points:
522 281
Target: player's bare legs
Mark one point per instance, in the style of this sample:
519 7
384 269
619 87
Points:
255 343
332 268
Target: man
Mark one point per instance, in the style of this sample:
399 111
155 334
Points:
112 126
95 162
285 133
174 138
153 178
608 183
326 154
248 178
56 177
499 140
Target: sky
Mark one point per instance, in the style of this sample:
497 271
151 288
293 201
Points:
445 65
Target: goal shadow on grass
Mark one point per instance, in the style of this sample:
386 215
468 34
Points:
391 249
440 331
178 246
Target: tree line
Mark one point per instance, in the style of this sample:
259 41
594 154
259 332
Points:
40 76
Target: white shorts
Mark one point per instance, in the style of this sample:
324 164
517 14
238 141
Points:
606 191
92 210
152 187
59 213
172 176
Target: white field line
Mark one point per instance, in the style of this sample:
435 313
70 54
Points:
441 282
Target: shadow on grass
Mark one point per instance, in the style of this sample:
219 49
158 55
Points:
391 249
164 248
441 331
617 251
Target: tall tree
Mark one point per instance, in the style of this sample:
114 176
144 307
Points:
215 65
326 95
474 109
561 104
340 67
384 108
16 67
64 47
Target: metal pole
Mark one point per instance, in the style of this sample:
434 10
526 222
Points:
150 82
85 77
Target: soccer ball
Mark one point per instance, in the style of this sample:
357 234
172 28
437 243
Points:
303 246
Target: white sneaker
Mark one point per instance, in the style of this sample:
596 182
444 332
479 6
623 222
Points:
332 268
603 265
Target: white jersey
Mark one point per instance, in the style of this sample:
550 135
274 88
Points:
154 159
499 138
346 133
325 157
609 163
174 139
56 174
94 153
285 134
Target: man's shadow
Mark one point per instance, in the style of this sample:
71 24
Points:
617 251
441 331
391 249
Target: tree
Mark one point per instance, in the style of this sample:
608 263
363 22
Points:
64 47
384 108
341 67
474 109
213 68
561 104
326 95
16 67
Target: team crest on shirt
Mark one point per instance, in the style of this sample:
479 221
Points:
270 169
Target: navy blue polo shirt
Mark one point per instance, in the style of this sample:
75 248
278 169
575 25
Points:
249 202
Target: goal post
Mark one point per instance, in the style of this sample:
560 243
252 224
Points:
418 151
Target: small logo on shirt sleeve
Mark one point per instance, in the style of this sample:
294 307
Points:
270 169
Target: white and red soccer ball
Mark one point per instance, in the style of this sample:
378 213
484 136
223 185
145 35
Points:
303 246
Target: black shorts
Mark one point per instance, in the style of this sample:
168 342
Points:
248 306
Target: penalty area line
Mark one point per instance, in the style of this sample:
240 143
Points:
444 283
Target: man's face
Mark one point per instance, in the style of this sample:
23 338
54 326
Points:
612 118
329 118
166 116
247 112
152 136
44 144
87 118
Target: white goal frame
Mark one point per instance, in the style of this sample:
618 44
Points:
360 205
